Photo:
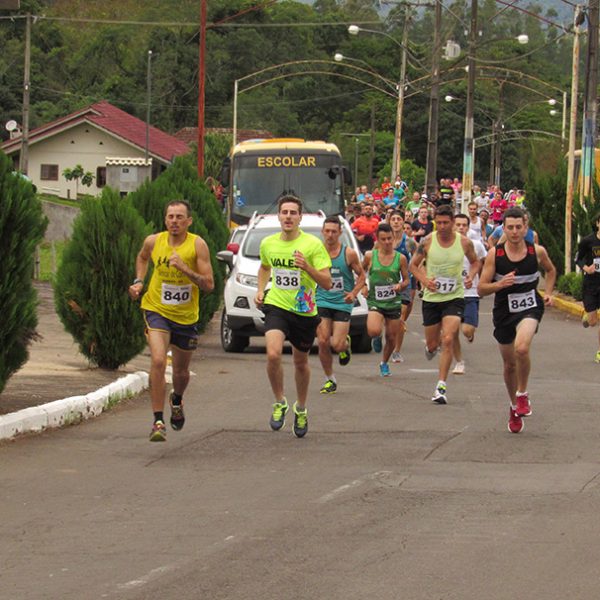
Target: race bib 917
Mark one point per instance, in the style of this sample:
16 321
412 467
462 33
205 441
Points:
445 285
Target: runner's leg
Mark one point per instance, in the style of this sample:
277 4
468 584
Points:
509 358
339 337
158 341
181 369
274 340
525 331
392 327
450 326
324 339
302 376
374 323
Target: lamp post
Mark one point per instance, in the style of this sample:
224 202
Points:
354 30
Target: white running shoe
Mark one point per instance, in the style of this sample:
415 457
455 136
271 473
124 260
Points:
397 357
459 368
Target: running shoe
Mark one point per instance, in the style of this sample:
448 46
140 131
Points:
330 387
159 432
345 355
278 417
430 354
585 321
300 421
397 357
376 344
597 357
439 397
384 369
177 416
459 368
523 407
515 422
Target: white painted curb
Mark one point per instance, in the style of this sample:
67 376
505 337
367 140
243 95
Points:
71 410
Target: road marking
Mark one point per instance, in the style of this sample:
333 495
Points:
424 370
144 579
348 486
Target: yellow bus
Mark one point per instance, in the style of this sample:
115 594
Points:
258 171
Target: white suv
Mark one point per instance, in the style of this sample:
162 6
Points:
241 319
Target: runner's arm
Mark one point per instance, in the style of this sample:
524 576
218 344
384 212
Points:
141 267
416 261
203 276
404 272
549 272
264 274
354 263
487 285
469 250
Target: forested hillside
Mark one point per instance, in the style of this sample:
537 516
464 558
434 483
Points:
76 62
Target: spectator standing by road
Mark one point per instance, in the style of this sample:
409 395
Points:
171 307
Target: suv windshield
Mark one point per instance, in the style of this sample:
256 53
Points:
251 246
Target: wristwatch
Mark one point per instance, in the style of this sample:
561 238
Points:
137 280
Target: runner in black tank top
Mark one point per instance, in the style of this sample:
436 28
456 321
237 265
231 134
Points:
511 272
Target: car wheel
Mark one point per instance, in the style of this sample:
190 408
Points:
231 341
361 344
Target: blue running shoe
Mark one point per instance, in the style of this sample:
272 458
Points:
376 344
384 369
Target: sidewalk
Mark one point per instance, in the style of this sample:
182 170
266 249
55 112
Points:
55 371
57 385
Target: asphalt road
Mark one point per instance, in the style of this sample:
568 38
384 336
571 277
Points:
388 496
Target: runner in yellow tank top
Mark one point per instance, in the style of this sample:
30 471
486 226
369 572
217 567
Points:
181 268
443 297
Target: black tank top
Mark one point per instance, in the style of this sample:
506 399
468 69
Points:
526 279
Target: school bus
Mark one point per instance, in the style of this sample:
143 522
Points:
258 171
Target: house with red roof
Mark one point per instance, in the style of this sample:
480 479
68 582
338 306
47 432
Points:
94 137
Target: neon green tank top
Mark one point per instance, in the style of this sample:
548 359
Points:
171 293
445 264
382 278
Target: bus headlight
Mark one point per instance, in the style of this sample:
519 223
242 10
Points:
249 280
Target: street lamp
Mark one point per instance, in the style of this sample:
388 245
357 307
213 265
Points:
354 30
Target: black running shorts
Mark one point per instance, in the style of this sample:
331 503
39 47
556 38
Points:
299 331
434 312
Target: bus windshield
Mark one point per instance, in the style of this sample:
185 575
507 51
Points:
258 180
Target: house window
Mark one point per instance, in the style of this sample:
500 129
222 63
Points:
49 173
100 177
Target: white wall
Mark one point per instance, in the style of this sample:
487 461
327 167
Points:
83 145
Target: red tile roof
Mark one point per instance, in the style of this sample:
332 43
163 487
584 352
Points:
116 122
190 134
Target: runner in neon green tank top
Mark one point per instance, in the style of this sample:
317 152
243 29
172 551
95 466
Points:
295 262
388 276
443 297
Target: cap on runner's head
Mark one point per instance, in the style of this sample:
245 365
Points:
424 197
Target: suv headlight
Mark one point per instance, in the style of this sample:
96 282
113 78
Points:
249 280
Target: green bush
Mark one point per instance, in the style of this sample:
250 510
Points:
571 284
22 226
92 281
180 181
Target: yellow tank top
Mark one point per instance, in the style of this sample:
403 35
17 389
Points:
171 293
446 265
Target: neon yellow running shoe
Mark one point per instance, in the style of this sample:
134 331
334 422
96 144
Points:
159 432
300 421
597 358
278 417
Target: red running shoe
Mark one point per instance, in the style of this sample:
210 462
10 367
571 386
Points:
523 406
515 422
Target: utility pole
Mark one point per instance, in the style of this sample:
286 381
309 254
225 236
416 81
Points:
578 19
148 96
372 147
469 148
400 105
591 97
201 78
434 105
24 156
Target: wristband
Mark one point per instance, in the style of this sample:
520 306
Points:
137 280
